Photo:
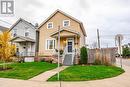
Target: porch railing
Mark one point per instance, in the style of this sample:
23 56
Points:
25 54
64 53
73 55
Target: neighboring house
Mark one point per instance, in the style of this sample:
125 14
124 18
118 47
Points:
3 29
72 36
24 37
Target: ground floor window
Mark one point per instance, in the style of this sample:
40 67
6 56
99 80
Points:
50 44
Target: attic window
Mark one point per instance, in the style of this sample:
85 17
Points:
50 25
66 23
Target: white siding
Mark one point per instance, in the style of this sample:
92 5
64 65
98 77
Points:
21 29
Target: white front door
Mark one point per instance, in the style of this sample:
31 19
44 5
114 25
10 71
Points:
70 45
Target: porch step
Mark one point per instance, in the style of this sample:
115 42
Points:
68 60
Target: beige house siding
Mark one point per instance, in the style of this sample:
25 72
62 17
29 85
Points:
57 20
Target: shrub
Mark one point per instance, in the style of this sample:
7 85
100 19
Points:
126 51
83 55
61 52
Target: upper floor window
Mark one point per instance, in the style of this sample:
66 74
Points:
50 25
26 34
66 23
14 32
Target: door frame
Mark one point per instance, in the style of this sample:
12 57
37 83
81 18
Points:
70 40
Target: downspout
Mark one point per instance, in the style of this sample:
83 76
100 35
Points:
37 43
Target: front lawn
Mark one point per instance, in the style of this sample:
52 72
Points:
26 70
85 73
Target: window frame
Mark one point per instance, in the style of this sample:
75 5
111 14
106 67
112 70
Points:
54 44
14 32
48 24
27 33
64 23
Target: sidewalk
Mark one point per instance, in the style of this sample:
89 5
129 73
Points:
46 75
122 80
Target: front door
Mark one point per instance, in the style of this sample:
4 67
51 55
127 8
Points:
70 45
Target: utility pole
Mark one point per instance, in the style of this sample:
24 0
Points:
58 52
119 38
98 38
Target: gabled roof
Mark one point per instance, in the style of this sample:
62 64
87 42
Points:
20 19
23 38
3 29
81 24
68 30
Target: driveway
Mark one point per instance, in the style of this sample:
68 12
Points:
122 80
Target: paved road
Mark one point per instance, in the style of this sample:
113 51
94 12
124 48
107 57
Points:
125 62
122 80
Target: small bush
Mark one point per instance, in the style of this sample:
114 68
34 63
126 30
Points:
83 55
126 52
61 52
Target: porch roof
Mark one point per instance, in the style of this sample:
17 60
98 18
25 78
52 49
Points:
22 39
65 33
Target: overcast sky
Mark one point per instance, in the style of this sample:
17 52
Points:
109 16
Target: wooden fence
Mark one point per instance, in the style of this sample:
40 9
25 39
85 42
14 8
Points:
104 55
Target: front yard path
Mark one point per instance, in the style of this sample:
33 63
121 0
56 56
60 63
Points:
46 75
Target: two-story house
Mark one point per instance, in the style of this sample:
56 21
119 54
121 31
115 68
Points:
24 37
72 36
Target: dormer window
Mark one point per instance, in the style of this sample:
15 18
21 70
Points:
66 23
49 25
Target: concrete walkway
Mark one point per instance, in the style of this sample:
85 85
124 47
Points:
122 80
46 75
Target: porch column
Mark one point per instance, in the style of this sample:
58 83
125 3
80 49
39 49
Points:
76 46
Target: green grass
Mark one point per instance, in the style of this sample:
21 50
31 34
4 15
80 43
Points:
26 70
1 62
85 73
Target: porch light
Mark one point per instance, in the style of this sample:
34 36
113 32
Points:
65 41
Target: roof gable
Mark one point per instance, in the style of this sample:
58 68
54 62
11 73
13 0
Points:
66 30
18 21
59 11
21 38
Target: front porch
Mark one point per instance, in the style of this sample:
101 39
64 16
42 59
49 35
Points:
25 47
69 46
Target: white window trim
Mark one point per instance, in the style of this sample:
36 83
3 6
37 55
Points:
64 21
51 23
53 44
